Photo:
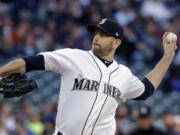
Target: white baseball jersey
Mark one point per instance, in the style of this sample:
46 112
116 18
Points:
90 91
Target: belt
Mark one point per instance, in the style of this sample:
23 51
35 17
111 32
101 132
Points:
59 133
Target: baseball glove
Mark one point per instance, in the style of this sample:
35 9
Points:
16 85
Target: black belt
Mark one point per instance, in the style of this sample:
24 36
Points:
59 133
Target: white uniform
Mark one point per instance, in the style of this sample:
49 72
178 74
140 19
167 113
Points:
86 105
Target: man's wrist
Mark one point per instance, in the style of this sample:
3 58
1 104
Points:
169 55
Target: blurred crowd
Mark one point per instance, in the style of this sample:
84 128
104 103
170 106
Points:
25 119
141 121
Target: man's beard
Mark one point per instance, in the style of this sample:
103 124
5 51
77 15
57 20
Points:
99 51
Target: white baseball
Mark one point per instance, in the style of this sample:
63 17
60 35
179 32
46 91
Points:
171 37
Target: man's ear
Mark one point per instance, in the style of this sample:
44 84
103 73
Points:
118 42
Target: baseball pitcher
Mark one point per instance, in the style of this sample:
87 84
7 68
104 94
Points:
92 82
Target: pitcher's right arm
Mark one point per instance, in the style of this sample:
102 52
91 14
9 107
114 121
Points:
15 66
22 65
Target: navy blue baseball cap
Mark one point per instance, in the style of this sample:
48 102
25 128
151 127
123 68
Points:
109 27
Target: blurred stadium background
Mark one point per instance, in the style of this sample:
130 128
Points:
31 26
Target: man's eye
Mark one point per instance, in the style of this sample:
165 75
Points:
100 34
95 33
103 35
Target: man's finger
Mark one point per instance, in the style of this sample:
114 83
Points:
165 34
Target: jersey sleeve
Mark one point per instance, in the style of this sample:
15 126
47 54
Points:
59 60
134 87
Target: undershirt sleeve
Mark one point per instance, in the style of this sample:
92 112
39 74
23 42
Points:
35 62
149 90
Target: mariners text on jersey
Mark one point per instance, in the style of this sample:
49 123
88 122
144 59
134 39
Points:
91 85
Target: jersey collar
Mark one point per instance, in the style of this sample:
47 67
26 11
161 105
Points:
112 65
107 63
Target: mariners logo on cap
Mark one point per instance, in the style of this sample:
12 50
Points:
117 34
103 21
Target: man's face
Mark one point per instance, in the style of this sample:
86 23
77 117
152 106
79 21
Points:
102 43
